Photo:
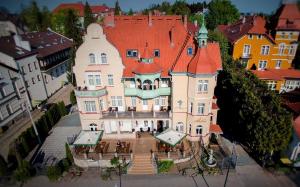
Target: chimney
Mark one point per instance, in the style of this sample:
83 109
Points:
109 19
244 19
185 21
195 23
150 18
172 32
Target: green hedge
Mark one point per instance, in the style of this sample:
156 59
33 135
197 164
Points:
26 142
164 166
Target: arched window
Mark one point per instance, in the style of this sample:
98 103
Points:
190 129
92 58
281 48
199 130
103 58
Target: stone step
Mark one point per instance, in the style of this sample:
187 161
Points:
142 166
141 173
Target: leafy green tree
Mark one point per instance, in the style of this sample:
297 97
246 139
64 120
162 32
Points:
118 10
165 7
23 172
221 12
88 16
252 114
3 167
46 19
73 100
180 7
71 27
54 172
130 13
69 154
58 21
196 17
223 42
32 17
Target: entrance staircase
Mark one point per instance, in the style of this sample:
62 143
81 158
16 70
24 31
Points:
142 165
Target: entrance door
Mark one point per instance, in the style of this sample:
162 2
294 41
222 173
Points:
160 126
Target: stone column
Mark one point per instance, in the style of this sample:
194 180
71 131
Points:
169 155
100 156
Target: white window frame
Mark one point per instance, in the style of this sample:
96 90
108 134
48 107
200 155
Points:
90 106
265 50
281 49
133 101
201 108
113 101
110 79
271 85
250 36
104 58
97 80
92 58
202 86
248 51
262 64
278 64
199 130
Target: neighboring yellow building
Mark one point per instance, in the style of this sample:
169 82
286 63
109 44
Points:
260 52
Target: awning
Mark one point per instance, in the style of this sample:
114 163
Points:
170 137
215 128
88 138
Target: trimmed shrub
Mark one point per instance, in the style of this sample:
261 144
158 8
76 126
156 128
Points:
54 172
3 166
64 164
69 154
62 108
23 172
73 100
164 166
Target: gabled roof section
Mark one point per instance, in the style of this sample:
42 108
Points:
47 42
277 74
165 33
289 18
78 7
246 25
207 60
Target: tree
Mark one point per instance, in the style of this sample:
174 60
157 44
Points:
46 19
221 12
252 114
223 42
69 155
88 16
180 7
3 167
54 172
58 21
73 100
23 172
72 28
118 10
32 17
130 13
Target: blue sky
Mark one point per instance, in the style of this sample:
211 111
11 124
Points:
266 6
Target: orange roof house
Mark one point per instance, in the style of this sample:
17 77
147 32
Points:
289 18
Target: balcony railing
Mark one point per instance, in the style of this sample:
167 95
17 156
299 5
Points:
137 115
84 92
246 56
147 94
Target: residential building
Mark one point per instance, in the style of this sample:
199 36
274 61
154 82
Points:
262 52
41 59
98 11
13 95
10 23
147 73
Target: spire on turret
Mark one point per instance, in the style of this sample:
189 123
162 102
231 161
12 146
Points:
202 34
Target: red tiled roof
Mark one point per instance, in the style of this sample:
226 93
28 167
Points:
147 68
207 60
277 74
192 27
246 25
215 106
78 7
297 126
215 128
132 32
289 18
47 42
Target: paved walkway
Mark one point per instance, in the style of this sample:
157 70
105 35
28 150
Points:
53 149
21 125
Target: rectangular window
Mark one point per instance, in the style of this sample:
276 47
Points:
250 36
163 101
145 102
91 80
278 64
110 79
281 48
33 80
26 84
35 66
101 103
119 100
90 106
156 101
205 85
46 79
201 108
103 58
190 51
23 70
202 86
292 50
97 80
2 91
259 36
29 68
38 77
246 50
265 50
132 53
156 53
271 85
133 101
262 65
113 101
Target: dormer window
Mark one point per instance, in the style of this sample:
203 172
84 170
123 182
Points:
190 51
132 53
259 36
156 53
250 36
